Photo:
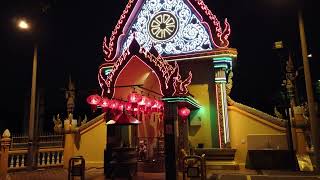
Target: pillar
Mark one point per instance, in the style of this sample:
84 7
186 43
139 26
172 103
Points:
170 137
222 66
5 144
70 131
68 148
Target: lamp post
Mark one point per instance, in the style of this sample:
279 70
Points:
31 161
310 96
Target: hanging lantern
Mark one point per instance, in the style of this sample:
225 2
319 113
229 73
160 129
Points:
93 100
134 98
142 103
161 106
149 103
128 106
156 106
114 104
121 105
184 113
104 104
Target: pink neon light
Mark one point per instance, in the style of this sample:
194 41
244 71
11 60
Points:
108 49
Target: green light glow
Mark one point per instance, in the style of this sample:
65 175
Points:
107 71
188 99
222 59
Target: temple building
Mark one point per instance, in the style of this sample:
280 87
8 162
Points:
165 80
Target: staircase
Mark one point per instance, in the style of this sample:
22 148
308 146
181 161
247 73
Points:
218 159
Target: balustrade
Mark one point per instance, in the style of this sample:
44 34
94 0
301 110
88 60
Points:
17 159
50 157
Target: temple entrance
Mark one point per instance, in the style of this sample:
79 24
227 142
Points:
144 141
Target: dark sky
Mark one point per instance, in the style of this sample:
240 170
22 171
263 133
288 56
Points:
70 34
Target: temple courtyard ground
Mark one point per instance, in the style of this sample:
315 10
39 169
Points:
97 174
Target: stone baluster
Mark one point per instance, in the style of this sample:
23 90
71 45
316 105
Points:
5 144
22 160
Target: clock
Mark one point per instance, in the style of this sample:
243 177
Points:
163 26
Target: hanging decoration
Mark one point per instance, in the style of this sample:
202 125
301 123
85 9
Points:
134 98
184 113
114 104
136 103
104 104
94 100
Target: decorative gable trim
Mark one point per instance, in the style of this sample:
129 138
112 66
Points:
171 83
111 49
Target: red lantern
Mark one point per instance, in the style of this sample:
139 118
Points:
161 106
121 105
93 100
156 106
104 104
149 103
184 113
134 98
142 103
114 104
128 106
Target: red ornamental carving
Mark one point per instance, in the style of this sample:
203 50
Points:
93 100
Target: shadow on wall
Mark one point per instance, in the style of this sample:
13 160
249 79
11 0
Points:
193 130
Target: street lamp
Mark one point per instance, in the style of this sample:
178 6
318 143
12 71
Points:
24 25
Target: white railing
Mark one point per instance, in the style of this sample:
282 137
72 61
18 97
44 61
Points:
50 157
17 159
47 157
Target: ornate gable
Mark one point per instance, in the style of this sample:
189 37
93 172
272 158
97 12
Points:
173 27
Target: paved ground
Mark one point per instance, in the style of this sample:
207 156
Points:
97 174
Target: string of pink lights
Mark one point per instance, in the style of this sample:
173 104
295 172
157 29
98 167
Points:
136 103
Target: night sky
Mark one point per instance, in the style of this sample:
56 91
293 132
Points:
69 35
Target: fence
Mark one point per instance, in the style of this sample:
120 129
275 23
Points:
20 141
49 153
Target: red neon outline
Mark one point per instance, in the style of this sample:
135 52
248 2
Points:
169 73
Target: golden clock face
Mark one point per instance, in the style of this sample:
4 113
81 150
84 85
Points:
163 26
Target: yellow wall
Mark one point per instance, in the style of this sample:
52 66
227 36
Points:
200 134
242 124
92 143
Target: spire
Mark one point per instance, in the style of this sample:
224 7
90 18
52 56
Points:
70 96
71 85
